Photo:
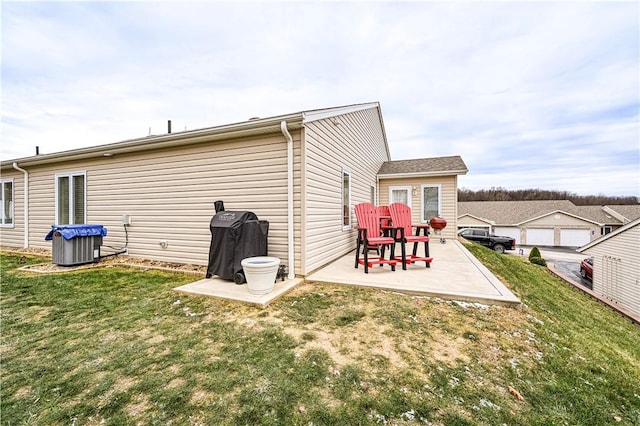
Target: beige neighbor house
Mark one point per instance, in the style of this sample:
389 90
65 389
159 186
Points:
302 172
616 266
554 223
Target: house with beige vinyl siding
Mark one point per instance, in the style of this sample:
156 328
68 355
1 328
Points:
303 172
549 223
428 185
616 266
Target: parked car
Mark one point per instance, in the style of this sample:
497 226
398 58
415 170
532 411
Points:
494 242
586 268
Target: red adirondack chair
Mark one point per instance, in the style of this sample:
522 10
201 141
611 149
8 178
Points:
369 235
384 213
401 220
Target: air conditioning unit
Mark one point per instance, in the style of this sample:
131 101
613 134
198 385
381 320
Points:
76 244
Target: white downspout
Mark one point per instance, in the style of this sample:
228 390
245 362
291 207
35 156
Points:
290 240
26 204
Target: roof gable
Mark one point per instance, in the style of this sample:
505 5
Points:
560 212
519 212
625 213
512 212
436 166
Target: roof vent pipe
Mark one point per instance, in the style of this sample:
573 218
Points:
169 126
37 150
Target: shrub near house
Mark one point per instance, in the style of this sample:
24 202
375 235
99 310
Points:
535 257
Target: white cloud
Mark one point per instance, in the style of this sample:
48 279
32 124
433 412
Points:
530 94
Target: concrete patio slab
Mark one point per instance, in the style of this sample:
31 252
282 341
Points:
454 274
216 287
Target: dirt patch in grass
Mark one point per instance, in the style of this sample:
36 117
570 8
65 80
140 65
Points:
448 351
202 397
138 406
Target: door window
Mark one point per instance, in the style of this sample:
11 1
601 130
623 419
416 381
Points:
431 202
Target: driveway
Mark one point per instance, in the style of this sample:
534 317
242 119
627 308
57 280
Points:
566 261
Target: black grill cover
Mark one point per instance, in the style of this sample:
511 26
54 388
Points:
235 235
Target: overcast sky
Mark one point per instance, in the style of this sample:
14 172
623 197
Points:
531 95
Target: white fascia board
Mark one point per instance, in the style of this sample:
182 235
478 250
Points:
609 235
423 174
315 115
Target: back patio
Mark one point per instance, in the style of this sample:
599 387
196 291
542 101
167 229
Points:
454 274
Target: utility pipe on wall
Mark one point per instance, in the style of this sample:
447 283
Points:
26 204
290 240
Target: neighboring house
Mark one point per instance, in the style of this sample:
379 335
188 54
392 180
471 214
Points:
302 172
545 223
428 186
616 266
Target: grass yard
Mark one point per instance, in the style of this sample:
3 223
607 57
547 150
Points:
117 346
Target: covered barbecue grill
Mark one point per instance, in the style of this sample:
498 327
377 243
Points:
235 235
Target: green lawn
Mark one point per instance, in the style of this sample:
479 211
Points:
117 346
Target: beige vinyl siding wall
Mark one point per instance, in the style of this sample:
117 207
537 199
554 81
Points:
169 195
449 201
616 274
13 235
357 144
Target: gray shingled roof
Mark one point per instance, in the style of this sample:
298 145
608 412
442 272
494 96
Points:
511 212
426 166
515 212
630 211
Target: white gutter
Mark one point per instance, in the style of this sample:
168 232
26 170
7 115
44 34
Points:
290 240
26 204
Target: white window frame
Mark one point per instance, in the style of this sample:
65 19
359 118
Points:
422 187
3 219
71 175
401 188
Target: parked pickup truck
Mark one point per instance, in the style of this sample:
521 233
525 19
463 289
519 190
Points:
494 242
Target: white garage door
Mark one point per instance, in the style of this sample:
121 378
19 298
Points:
508 232
574 237
539 237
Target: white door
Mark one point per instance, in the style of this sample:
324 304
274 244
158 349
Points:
508 232
574 237
400 194
539 237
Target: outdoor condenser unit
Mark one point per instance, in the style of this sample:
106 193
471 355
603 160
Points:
76 244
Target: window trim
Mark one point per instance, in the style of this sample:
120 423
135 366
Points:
71 175
349 226
430 185
12 206
407 188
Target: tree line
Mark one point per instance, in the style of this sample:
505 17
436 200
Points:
503 194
